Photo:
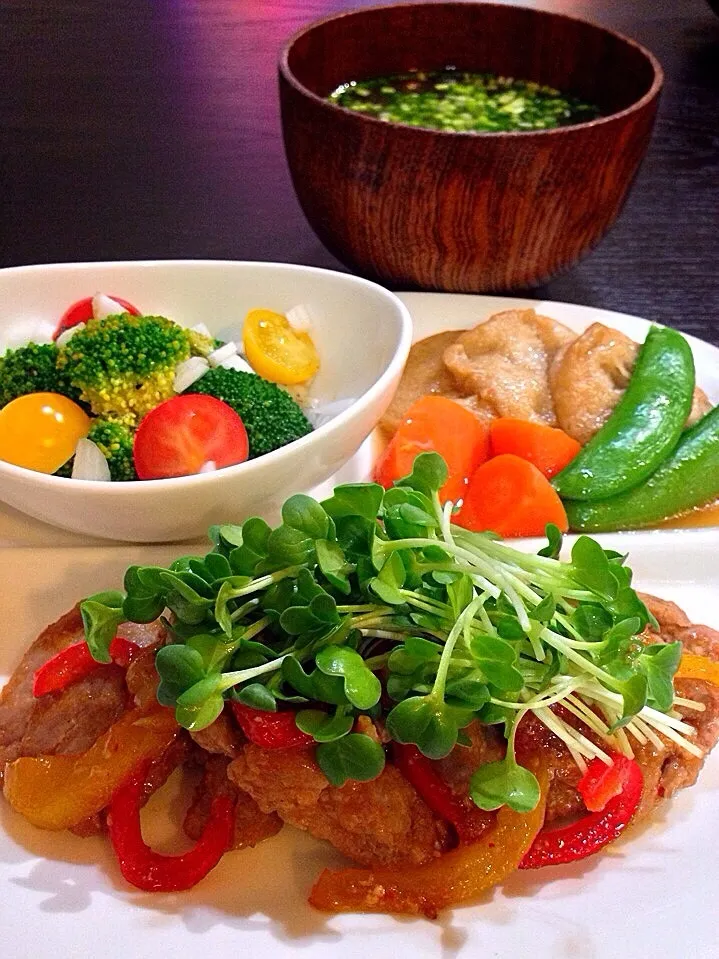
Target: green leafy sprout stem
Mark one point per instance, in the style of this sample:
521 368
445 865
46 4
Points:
372 603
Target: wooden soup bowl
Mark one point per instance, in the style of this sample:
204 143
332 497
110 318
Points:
463 211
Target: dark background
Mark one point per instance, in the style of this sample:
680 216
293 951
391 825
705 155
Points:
133 129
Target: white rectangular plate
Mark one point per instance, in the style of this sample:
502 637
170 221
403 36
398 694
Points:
652 895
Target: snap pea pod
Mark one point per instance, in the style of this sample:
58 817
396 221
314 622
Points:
687 479
644 427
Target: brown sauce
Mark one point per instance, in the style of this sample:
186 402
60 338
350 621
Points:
700 517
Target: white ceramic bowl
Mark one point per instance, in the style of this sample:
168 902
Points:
361 331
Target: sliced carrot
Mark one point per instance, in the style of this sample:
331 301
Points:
549 449
509 496
435 423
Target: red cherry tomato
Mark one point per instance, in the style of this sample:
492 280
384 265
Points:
182 434
81 312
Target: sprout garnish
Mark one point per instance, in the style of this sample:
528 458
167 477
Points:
373 603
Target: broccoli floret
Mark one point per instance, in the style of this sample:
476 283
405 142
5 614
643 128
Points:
201 345
33 369
115 443
271 417
114 440
125 365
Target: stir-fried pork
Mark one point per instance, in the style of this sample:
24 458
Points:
70 721
383 822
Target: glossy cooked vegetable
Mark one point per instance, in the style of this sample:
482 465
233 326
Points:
692 666
688 478
545 447
601 783
469 822
457 876
270 730
152 871
510 497
436 423
75 662
56 792
592 832
644 427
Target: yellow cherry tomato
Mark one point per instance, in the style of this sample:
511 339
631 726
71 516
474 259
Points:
276 351
40 431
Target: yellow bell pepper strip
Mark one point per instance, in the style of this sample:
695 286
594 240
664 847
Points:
276 351
57 792
457 876
692 666
152 871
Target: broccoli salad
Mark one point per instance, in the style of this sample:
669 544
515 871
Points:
119 395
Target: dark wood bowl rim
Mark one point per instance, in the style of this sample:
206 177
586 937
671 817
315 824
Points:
650 95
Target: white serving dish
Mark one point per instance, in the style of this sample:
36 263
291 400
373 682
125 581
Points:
362 333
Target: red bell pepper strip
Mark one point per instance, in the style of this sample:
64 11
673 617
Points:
124 651
589 834
469 822
75 662
81 312
601 783
270 730
152 871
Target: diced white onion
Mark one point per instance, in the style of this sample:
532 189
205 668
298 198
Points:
237 363
21 330
218 357
89 463
320 413
189 371
103 306
300 318
209 467
68 334
201 329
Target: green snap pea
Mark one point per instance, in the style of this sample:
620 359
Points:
644 427
687 479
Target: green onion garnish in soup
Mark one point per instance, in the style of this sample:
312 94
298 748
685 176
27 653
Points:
460 101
